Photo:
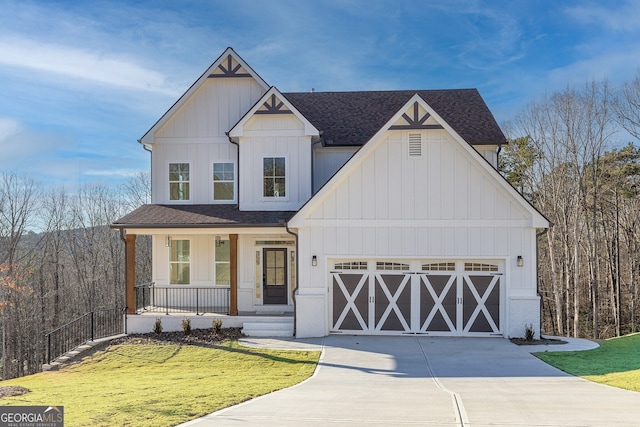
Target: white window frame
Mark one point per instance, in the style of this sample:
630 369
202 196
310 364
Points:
169 182
235 183
171 262
216 262
286 178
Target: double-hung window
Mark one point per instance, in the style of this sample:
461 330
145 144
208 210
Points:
180 262
274 177
223 182
179 181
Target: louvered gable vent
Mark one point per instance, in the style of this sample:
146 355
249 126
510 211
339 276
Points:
415 145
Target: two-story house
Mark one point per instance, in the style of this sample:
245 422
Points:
375 212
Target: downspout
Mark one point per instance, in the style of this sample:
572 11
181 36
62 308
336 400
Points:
124 241
148 149
538 235
295 290
237 166
313 166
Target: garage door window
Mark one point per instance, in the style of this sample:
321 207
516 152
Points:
354 265
475 266
394 266
439 266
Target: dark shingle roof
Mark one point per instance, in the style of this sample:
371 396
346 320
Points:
352 118
175 216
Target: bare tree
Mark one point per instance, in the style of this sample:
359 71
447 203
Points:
627 106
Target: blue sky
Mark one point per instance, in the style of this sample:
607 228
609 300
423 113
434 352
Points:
81 81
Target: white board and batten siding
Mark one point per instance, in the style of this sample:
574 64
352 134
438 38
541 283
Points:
441 205
277 135
327 161
195 134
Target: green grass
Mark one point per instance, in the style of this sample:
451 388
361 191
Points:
616 362
161 385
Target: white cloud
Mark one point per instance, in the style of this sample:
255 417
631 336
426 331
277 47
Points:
616 66
615 17
8 127
74 63
126 173
24 147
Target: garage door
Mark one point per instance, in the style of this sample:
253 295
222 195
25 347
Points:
457 298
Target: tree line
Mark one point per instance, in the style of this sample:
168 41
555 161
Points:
572 155
59 260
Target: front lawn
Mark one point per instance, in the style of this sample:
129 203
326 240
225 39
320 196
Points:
161 384
616 362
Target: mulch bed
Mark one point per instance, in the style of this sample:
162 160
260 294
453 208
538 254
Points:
540 341
196 337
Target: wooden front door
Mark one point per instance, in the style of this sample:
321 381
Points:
274 276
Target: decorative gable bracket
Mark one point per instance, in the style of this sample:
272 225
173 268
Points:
416 122
229 70
272 102
273 106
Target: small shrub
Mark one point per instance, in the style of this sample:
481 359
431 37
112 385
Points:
186 326
216 325
157 327
529 332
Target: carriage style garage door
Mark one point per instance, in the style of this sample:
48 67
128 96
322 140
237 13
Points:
437 298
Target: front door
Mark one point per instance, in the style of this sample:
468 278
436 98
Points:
274 276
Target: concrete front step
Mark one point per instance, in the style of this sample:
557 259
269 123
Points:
272 328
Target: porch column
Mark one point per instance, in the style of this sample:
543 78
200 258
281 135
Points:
233 294
130 272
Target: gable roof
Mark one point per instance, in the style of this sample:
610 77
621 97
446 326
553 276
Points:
353 118
538 219
221 67
263 106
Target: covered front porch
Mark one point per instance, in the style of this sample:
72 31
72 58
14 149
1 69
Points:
219 263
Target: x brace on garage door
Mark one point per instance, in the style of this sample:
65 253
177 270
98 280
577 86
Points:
433 302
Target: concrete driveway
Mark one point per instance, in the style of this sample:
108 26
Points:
429 381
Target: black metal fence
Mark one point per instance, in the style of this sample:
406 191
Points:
174 299
89 327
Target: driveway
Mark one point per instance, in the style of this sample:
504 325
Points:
429 381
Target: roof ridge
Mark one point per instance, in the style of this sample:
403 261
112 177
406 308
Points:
384 91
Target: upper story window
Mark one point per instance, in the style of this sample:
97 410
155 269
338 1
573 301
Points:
180 262
179 181
274 177
223 182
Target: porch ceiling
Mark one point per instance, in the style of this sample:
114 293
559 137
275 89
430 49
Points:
194 216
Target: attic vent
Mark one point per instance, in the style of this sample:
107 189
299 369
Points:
415 145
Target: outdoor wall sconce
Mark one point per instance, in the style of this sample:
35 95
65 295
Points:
520 261
218 241
314 261
167 241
